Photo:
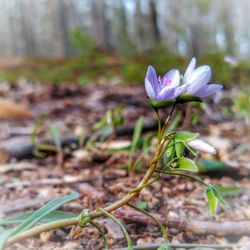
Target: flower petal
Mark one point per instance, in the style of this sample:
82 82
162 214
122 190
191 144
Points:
149 89
208 90
201 146
151 76
166 94
173 77
199 77
168 90
180 90
190 69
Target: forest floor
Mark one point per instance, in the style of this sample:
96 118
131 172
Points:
99 176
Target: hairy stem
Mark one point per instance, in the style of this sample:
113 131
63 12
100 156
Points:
40 229
74 221
167 120
101 231
155 246
123 228
125 200
187 175
159 124
163 230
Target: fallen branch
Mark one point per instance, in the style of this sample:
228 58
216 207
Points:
184 224
25 150
48 181
19 166
182 245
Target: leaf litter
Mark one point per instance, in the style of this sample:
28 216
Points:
99 174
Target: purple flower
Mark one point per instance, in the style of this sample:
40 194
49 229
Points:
201 146
198 79
165 88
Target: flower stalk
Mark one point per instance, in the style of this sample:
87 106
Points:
96 214
167 91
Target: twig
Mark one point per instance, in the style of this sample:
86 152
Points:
96 214
154 246
183 224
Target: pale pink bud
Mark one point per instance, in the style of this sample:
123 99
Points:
201 146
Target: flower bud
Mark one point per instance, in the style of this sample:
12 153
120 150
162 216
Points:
201 146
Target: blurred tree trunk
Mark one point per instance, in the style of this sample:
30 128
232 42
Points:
228 30
63 19
154 21
122 39
58 31
101 25
27 28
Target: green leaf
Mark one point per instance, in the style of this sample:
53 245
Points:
188 98
142 205
137 133
4 236
212 201
135 140
214 197
179 149
164 246
52 216
146 143
170 149
218 196
43 211
185 164
109 118
139 167
55 134
185 136
206 166
106 132
117 121
230 190
117 116
160 104
101 123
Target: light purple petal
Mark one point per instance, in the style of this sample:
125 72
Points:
199 77
170 74
170 83
208 90
151 76
189 70
181 90
171 79
166 94
149 89
201 146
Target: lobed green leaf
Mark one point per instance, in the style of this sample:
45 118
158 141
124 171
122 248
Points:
212 201
186 164
185 136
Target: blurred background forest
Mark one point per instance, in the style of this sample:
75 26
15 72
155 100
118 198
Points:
44 28
121 37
